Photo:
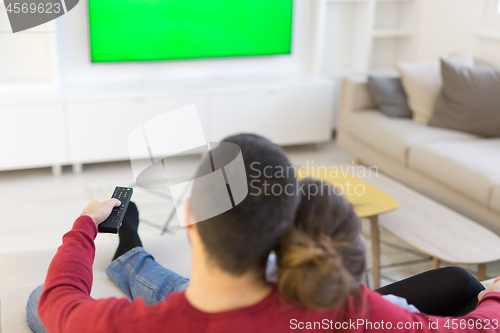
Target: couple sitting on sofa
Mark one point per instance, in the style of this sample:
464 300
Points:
317 283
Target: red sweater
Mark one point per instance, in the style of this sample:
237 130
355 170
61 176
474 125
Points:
65 306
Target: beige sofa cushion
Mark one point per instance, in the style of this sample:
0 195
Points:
422 82
22 272
469 167
393 136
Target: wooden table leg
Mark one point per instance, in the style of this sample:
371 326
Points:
435 263
481 272
375 238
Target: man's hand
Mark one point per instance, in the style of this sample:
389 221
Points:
494 287
99 211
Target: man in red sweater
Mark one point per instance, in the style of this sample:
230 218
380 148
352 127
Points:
227 291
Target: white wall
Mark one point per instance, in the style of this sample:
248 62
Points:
76 68
24 56
447 26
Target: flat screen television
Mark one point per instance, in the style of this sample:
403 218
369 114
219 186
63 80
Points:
151 30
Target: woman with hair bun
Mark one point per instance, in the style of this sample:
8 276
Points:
322 259
321 263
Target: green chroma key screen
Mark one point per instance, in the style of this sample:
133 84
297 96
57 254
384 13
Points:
146 30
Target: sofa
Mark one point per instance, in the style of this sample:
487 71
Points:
22 272
457 169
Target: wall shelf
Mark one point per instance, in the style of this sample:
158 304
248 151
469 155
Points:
488 34
388 33
355 36
343 72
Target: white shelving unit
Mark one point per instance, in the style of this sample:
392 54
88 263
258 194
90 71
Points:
364 36
488 25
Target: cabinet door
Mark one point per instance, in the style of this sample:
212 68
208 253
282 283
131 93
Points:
285 115
150 107
32 136
98 130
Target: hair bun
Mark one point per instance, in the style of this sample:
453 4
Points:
312 274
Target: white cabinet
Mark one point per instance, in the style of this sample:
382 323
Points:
284 114
92 124
98 130
32 136
152 106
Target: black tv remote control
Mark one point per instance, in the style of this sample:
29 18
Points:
114 221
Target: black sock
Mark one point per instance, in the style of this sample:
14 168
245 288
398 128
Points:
129 238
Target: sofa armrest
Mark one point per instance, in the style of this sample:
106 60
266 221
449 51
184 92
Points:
354 95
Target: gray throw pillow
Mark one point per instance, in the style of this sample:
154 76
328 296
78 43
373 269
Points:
389 96
469 100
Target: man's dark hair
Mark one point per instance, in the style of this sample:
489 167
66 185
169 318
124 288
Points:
240 239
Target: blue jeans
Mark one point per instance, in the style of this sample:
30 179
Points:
136 273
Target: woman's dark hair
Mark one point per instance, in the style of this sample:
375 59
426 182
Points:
322 258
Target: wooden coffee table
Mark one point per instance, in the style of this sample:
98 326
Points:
419 221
